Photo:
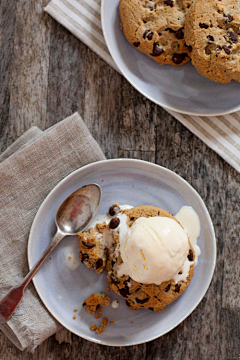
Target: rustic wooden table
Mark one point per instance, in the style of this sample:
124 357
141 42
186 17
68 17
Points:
46 75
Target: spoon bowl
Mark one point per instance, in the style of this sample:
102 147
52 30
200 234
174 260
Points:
74 215
78 209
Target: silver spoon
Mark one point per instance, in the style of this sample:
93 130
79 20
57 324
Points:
74 215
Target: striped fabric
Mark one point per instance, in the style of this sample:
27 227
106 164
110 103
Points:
83 19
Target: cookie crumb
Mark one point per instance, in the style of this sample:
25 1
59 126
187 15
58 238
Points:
99 309
69 258
75 310
94 301
131 322
111 322
93 327
98 316
74 317
102 326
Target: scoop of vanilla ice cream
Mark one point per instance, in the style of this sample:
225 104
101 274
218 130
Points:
153 250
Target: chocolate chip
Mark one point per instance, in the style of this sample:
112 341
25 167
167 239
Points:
145 33
168 2
151 8
113 263
99 263
167 288
132 218
190 255
170 30
218 51
180 34
127 281
157 50
84 304
114 210
226 49
188 46
178 58
84 257
88 244
114 223
136 44
124 292
210 38
229 18
139 301
180 273
151 308
233 36
177 288
207 50
128 303
203 26
149 36
114 279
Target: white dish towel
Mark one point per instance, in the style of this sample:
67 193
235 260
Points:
83 19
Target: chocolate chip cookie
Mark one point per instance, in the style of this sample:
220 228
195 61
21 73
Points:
145 296
137 295
156 28
212 30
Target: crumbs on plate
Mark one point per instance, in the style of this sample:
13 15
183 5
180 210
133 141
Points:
93 304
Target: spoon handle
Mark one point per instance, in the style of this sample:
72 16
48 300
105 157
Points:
9 303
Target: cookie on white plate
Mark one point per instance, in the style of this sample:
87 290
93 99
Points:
156 28
212 29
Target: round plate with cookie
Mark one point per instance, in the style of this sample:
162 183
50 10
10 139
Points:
80 284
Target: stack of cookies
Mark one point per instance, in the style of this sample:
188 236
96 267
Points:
177 31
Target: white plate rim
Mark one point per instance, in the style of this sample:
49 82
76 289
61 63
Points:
179 178
166 107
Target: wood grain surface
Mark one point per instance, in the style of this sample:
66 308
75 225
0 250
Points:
46 74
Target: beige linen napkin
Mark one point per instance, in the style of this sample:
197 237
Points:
29 169
83 19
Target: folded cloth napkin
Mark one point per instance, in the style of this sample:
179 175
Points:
29 169
83 19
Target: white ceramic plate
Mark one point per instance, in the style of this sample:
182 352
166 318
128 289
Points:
124 181
179 88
